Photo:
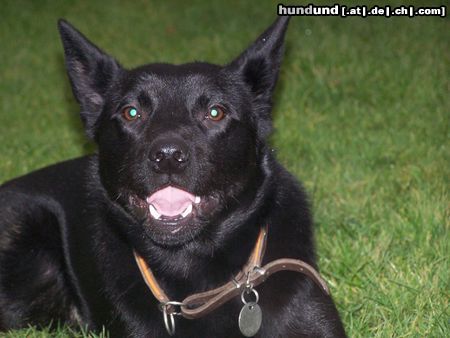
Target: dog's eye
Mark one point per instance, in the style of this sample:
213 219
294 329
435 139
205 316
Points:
215 114
130 113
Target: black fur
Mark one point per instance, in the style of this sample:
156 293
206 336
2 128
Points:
67 232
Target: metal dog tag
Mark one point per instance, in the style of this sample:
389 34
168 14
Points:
250 319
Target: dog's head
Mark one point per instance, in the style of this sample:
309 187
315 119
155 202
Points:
180 146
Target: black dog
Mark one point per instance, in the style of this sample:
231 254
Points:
185 179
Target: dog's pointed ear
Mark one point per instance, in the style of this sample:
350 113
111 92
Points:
259 64
91 72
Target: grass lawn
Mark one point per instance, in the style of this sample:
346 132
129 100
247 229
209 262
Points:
362 117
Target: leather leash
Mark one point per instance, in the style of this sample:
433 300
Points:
200 304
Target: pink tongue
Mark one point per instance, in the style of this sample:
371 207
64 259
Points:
170 201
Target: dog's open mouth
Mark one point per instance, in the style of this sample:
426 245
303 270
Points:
169 210
171 204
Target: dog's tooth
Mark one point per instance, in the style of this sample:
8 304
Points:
154 213
187 211
197 199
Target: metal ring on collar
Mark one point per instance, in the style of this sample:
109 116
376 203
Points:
169 317
169 322
247 292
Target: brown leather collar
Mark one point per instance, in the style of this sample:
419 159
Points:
200 304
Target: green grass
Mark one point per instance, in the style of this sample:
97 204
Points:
362 117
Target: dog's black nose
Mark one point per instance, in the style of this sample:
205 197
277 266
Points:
169 156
